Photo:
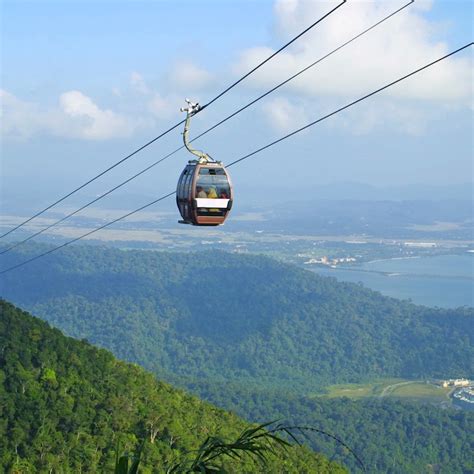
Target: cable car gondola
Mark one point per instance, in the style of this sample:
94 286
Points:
204 193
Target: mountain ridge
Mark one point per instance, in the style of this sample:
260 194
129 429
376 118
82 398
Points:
260 337
240 317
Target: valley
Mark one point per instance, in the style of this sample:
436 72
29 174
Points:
236 237
267 340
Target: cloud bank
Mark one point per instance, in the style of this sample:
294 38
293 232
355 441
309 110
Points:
76 116
401 44
398 46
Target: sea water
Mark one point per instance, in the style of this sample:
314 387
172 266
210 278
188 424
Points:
446 281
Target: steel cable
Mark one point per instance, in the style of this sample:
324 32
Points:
245 156
102 173
17 244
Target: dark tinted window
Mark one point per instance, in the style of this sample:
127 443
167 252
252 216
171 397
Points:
180 185
189 180
212 171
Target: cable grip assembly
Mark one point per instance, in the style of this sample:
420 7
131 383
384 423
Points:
192 109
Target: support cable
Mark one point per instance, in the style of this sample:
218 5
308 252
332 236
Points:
245 156
102 173
17 244
350 105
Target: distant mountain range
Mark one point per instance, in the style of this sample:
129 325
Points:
404 212
266 195
269 194
409 192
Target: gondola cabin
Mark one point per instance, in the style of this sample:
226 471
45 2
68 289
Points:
204 193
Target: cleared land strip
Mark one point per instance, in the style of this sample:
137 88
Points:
390 388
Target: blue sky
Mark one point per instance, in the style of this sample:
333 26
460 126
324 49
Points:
84 83
94 44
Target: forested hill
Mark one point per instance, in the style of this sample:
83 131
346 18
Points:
246 331
65 404
247 318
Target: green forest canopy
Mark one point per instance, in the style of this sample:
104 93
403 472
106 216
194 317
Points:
65 404
257 336
237 317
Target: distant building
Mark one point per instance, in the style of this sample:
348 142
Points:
326 261
420 244
455 383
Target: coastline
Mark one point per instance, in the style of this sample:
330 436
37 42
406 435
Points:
392 258
454 288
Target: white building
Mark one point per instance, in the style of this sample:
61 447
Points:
455 383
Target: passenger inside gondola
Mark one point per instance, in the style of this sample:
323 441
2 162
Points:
211 193
200 193
213 182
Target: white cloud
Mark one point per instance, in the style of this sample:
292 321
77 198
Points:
160 106
285 115
138 107
380 116
396 47
403 43
138 83
12 111
76 117
21 119
89 121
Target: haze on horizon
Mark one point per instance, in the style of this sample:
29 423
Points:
84 83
